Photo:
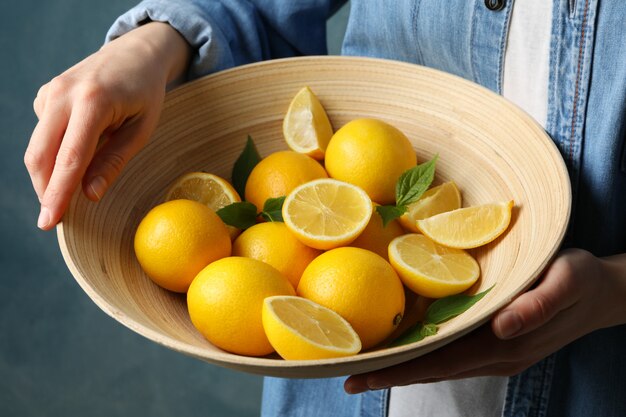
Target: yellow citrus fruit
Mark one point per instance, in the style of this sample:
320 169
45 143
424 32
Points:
273 243
377 237
300 329
225 302
468 227
278 174
208 189
432 270
306 127
361 287
439 199
327 213
176 239
371 154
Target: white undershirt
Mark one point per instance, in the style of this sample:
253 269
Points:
525 83
527 57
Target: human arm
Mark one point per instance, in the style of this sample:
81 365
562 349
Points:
224 34
115 95
578 293
114 98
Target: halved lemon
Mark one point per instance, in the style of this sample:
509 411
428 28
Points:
468 227
208 189
300 329
306 127
439 199
432 270
327 213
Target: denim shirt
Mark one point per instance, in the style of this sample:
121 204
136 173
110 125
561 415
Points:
586 119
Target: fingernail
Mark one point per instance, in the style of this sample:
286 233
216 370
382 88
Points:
44 218
355 386
98 186
509 323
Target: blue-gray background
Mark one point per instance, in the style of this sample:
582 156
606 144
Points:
59 354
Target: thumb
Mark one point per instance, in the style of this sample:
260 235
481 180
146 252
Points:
536 307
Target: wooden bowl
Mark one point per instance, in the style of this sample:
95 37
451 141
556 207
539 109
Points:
490 148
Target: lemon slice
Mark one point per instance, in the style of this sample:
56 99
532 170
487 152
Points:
468 227
327 213
208 189
439 199
300 329
432 270
306 127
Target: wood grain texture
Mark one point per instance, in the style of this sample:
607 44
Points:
490 148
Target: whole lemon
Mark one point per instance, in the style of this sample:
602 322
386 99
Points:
279 173
377 237
273 243
361 287
176 239
225 302
371 154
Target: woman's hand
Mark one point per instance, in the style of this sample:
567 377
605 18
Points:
97 115
578 293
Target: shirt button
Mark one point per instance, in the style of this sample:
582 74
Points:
494 5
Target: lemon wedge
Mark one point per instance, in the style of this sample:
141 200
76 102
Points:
439 199
468 227
306 127
432 270
300 329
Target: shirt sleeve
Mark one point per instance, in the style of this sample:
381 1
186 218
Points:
226 33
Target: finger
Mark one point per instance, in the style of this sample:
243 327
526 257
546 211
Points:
75 152
536 307
477 350
113 156
479 354
43 147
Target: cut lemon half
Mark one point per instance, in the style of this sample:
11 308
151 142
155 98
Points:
439 199
432 270
468 227
306 127
208 189
327 213
300 329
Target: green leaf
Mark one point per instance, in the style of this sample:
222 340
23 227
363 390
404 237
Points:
247 160
415 334
389 213
448 307
241 214
273 209
438 312
414 182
